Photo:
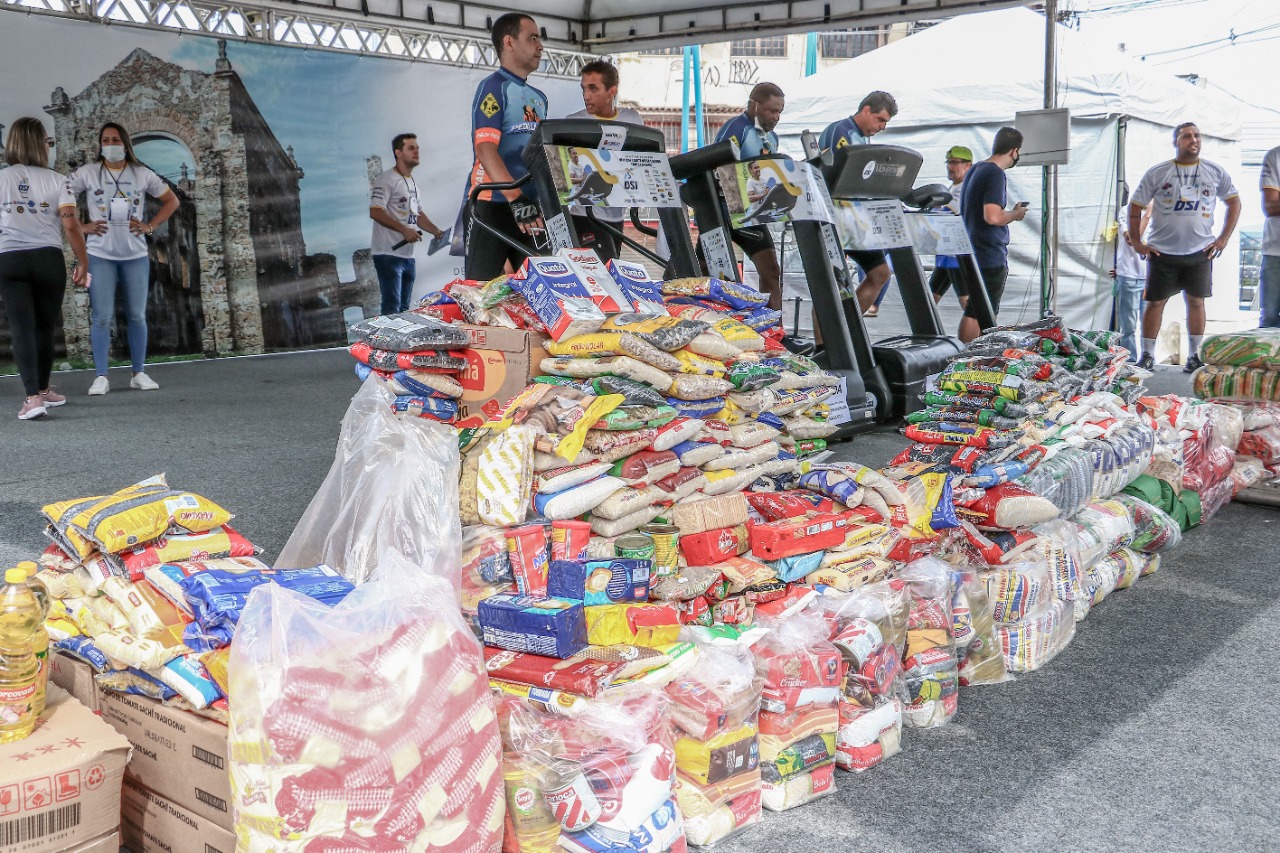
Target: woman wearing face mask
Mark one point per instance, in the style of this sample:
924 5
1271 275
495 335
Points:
36 208
116 185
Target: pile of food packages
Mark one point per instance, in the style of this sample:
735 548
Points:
669 612
1240 366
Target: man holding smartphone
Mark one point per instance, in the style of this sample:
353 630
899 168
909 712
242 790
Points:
982 207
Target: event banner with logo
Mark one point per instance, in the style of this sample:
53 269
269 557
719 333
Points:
272 152
767 190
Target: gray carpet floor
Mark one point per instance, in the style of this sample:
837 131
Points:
1154 730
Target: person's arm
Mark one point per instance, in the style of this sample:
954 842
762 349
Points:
427 225
168 207
386 220
1217 247
71 228
1270 201
994 214
1137 218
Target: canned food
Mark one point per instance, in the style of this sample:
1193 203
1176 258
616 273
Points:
634 546
666 548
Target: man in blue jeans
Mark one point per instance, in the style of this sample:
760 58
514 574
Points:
398 223
1270 183
1130 276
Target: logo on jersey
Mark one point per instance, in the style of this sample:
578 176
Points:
24 187
843 143
489 106
97 192
531 114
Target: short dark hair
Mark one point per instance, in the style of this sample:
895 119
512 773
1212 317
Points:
1177 130
397 143
880 101
1007 139
605 69
507 25
762 92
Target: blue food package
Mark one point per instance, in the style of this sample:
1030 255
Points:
416 387
644 293
217 597
553 627
83 649
600 581
660 831
363 371
794 568
435 407
695 408
833 484
769 419
944 512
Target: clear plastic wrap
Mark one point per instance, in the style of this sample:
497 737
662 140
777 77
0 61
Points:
1031 644
1153 528
366 726
1215 498
383 496
974 630
929 663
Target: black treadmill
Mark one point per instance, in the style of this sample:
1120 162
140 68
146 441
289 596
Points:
591 133
824 266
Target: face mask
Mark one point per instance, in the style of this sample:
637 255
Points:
113 153
1016 158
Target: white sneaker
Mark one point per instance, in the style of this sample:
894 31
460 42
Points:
143 382
99 387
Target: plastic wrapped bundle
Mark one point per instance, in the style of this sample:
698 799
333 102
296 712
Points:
1251 348
929 665
1153 529
1221 382
382 495
973 621
1019 590
1102 527
368 726
1215 498
1031 644
1058 547
1066 478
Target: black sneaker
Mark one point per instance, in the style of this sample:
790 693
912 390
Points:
1147 362
1193 364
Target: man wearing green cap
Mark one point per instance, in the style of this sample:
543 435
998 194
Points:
946 268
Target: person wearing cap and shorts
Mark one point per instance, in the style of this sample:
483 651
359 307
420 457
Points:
1181 247
946 268
873 115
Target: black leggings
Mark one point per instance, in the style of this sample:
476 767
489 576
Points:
32 282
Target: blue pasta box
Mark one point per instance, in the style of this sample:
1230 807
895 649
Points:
595 582
553 627
565 305
644 293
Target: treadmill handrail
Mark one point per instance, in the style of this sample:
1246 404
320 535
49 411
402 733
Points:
468 214
704 159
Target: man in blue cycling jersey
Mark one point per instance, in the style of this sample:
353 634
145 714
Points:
505 112
873 116
753 132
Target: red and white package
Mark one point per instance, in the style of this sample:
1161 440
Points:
715 546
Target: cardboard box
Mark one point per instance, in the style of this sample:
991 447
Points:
500 363
109 843
150 823
75 677
176 754
60 786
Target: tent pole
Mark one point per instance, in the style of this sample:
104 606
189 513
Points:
687 54
1049 179
698 116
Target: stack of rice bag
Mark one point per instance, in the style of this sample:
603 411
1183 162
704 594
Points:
418 356
1240 366
1196 456
148 608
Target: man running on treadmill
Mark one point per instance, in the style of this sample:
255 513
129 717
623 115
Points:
752 131
504 112
600 100
873 116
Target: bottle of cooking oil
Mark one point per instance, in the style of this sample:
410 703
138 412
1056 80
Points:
19 671
530 821
40 640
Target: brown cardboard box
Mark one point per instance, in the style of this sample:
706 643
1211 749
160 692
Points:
75 677
177 754
60 786
150 823
500 363
109 843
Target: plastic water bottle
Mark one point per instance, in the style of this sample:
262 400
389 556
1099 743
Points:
19 669
40 640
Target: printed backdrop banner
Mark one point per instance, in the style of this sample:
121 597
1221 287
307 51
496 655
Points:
271 151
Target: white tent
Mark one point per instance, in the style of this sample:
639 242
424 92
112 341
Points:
961 80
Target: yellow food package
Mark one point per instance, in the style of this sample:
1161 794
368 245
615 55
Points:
135 516
585 346
650 625
847 577
700 365
739 334
215 663
561 416
639 324
858 535
505 477
122 646
59 623
727 754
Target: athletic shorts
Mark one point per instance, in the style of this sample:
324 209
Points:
752 240
993 279
485 252
944 278
1168 275
593 236
867 259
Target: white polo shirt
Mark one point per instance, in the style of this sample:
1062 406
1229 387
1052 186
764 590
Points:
1185 196
1271 181
115 198
30 198
398 196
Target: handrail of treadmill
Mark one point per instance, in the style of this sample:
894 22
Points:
468 214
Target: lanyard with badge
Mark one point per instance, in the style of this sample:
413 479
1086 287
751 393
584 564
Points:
118 208
411 200
1188 185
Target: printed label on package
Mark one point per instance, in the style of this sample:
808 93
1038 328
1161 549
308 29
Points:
558 231
603 177
720 262
868 225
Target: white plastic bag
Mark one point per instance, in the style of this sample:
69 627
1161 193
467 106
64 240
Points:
392 488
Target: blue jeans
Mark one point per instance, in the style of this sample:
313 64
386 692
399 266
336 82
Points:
1270 299
107 275
1128 294
395 280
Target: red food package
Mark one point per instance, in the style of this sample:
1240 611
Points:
797 598
791 671
648 466
734 610
220 542
714 546
775 506
803 535
579 674
695 611
524 317
672 483
445 312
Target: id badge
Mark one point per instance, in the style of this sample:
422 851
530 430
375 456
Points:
120 211
1189 192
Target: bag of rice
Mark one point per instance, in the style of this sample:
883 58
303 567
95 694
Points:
573 502
568 476
602 441
504 477
1009 506
693 388
428 384
698 453
626 524
697 365
141 514
731 293
408 332
702 409
712 345
646 467
626 501
752 434
682 483
665 332
633 393
636 417
429 361
720 482
800 427
676 431
740 457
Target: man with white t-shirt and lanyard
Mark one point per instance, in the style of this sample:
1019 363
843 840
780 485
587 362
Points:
116 186
1181 247
398 223
600 100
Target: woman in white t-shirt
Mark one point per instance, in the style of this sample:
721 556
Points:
36 209
116 186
